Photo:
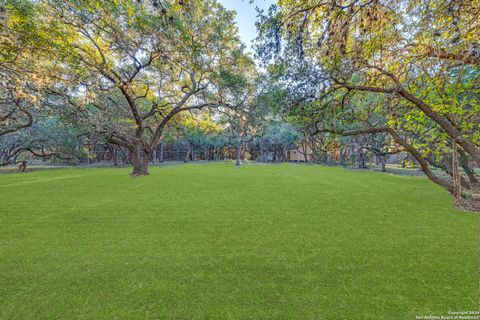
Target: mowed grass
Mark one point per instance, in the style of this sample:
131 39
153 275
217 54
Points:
213 241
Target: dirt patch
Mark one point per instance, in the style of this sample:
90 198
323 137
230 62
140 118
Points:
469 203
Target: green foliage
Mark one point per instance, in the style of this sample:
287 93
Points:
50 136
410 68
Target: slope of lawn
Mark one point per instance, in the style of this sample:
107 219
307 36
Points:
213 241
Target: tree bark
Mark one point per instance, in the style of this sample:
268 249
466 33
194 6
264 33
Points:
304 149
187 155
262 151
448 167
423 163
22 167
140 159
314 150
154 156
352 154
161 152
457 187
3 13
115 156
463 160
383 162
239 155
361 159
343 149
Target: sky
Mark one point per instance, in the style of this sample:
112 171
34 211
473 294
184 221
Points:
246 17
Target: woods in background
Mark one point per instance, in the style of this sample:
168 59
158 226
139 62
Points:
338 82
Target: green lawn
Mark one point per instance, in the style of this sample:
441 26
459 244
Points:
213 241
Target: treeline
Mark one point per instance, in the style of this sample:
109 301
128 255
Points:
119 71
339 82
403 72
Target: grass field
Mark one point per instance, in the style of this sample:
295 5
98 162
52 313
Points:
213 241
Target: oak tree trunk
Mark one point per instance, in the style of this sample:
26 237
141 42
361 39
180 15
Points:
262 151
3 13
463 161
115 156
239 155
187 155
361 159
161 152
140 160
421 160
457 187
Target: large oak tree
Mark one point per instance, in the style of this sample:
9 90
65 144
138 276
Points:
426 53
130 66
